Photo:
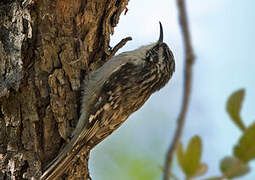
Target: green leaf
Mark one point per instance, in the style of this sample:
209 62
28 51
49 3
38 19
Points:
135 167
142 169
245 149
234 105
234 165
213 178
189 161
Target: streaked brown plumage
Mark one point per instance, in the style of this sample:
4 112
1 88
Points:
111 94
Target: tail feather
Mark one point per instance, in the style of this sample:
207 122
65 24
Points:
69 154
59 164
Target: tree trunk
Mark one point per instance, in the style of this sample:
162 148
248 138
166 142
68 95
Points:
46 49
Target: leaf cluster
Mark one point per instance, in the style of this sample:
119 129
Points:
230 166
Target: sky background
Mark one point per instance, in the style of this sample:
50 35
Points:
223 39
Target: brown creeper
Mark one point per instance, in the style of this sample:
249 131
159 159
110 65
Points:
112 93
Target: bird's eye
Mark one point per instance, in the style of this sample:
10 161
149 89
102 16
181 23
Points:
152 57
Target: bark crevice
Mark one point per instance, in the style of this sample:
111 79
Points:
46 49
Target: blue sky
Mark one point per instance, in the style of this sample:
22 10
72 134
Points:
223 38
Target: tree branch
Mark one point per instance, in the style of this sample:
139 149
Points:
189 59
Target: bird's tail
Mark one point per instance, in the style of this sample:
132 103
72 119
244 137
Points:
68 155
60 164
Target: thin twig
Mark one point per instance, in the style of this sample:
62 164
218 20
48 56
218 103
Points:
118 46
189 58
174 177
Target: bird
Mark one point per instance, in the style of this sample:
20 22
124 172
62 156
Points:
111 94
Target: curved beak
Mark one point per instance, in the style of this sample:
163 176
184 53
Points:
161 33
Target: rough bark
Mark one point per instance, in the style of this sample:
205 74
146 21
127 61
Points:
46 49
